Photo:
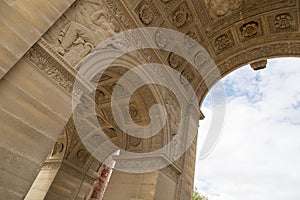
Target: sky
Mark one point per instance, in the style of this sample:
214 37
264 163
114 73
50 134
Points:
258 154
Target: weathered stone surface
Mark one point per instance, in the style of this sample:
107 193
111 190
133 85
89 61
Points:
17 164
12 182
125 184
10 194
25 22
36 93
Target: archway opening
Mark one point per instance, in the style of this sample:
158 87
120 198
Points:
257 156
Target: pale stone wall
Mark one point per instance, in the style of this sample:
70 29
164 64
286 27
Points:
34 110
36 88
131 186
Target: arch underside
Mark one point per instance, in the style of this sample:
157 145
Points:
234 33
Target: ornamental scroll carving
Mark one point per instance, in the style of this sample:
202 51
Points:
283 21
80 29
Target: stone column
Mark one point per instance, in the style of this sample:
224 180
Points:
157 185
50 168
130 186
72 182
100 184
173 182
186 181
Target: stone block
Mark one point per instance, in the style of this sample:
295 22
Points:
8 194
30 110
30 79
18 165
33 15
60 5
8 62
48 10
18 24
12 41
123 185
22 139
13 183
165 188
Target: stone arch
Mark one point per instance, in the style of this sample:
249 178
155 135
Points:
233 32
256 56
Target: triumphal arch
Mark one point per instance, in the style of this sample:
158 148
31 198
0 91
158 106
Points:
45 43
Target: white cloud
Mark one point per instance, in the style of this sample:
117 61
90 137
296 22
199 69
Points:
257 156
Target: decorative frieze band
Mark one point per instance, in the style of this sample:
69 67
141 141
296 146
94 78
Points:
51 66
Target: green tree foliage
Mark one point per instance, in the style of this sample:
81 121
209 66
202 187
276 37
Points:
197 196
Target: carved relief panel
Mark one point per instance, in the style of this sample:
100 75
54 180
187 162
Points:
281 22
250 29
80 29
147 13
223 42
135 144
175 61
217 15
181 16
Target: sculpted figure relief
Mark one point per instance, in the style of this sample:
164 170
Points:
80 29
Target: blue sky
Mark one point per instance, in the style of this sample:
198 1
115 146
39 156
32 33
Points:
257 156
